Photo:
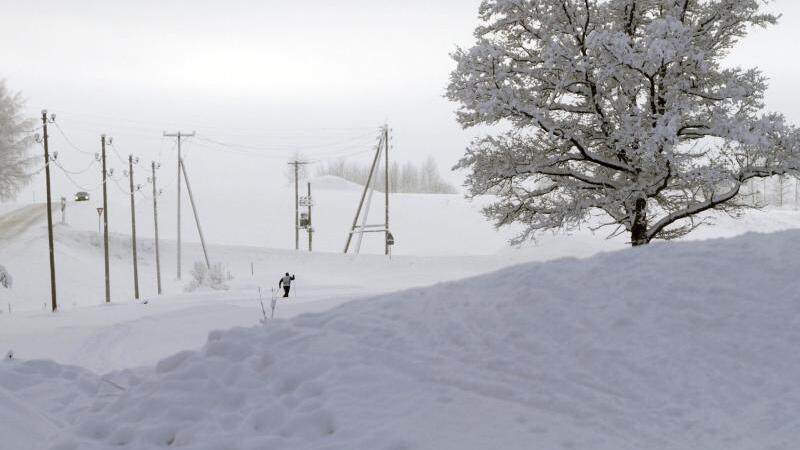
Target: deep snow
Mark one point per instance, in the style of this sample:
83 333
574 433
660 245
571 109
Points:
120 343
674 346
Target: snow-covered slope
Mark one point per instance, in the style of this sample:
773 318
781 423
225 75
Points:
674 346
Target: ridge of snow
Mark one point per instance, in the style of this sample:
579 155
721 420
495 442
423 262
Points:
672 346
334 183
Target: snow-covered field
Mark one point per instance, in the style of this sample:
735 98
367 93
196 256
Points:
685 345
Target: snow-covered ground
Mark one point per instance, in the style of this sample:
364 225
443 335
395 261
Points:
301 380
675 346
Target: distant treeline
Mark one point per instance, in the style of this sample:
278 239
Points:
408 178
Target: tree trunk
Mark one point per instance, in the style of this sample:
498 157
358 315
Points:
639 228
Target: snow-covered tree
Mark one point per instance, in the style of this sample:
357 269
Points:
617 108
15 141
302 169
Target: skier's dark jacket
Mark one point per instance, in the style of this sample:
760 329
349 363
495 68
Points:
286 280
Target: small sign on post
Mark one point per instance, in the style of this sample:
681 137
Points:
99 216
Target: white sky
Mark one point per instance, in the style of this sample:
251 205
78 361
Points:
311 74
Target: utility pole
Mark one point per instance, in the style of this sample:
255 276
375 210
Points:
297 165
133 230
367 189
155 220
105 215
53 300
179 135
310 223
196 216
386 188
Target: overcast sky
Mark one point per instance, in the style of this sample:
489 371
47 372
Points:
314 75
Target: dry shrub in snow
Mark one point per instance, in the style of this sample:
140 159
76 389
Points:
5 278
203 276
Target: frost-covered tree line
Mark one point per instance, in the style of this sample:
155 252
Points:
16 138
779 190
413 178
620 113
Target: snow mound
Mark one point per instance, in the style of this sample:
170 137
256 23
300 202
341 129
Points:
21 426
673 346
334 183
39 397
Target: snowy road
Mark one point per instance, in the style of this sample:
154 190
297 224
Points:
16 222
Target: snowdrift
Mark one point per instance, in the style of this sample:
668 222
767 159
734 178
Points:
334 183
673 346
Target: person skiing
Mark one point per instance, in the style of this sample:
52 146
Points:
286 283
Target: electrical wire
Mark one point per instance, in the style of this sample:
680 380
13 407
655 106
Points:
69 141
121 189
287 147
116 152
78 185
39 170
161 124
74 172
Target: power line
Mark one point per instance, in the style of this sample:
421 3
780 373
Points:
69 141
116 152
288 147
78 185
76 172
119 186
284 131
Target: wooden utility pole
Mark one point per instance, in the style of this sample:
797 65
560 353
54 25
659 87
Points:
296 207
310 226
133 230
367 185
386 188
194 210
179 135
45 137
105 216
297 165
155 220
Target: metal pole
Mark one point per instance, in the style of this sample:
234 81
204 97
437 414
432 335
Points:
196 217
386 188
105 218
310 223
53 299
155 221
133 231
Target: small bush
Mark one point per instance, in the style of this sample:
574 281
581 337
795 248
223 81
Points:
212 278
5 278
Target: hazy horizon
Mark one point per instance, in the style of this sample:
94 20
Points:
268 78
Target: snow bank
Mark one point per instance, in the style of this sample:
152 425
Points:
39 397
673 346
334 183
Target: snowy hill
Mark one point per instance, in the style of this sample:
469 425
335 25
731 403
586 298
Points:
673 346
